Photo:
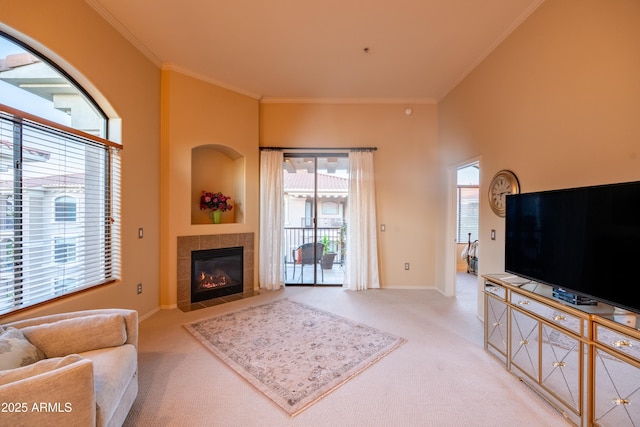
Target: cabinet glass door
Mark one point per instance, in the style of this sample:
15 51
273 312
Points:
496 324
617 391
561 362
525 348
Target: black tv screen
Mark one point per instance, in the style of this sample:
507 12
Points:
582 240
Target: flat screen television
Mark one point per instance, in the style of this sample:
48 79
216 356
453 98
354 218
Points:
584 241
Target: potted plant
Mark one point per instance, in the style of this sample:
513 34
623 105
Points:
216 203
327 256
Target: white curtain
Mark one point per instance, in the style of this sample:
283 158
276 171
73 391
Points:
270 272
361 269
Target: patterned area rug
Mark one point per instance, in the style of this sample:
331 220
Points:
293 353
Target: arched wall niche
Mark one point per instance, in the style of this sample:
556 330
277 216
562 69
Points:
217 168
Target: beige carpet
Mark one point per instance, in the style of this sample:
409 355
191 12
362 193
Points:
293 353
441 377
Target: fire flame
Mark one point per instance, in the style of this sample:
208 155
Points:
209 281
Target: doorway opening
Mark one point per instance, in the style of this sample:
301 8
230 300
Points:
467 211
315 207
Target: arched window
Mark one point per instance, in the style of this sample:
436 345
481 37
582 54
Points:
65 209
53 140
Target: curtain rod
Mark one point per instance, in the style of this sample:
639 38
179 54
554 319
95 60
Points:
319 148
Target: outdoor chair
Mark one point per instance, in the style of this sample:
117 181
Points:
304 255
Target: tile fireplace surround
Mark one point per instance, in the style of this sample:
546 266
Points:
187 244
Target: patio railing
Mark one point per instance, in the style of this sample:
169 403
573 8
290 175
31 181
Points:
332 237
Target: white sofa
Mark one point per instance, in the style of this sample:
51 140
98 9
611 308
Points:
82 369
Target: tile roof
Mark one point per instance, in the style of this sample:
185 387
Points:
305 182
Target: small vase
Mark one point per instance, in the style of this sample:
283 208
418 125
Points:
215 217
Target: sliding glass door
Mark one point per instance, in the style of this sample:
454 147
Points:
315 206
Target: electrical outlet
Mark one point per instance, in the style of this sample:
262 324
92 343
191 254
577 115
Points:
140 233
406 265
139 288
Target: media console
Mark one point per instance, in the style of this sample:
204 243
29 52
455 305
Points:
583 359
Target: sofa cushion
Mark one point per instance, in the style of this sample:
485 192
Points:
40 367
113 370
78 334
64 387
16 350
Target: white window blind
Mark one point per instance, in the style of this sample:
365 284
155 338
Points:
468 204
44 170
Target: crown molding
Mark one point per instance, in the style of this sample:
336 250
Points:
124 31
186 72
302 100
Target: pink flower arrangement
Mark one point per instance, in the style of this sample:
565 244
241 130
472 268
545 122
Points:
215 202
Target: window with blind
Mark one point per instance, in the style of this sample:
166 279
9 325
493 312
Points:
467 213
468 203
59 189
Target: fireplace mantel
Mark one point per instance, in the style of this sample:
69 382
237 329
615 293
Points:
188 244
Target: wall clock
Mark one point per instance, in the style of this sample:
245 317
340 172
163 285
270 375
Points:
502 184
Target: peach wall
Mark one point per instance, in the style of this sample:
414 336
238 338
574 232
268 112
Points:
557 103
405 167
196 113
126 85
213 171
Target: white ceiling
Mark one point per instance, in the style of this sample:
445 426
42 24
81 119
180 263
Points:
418 50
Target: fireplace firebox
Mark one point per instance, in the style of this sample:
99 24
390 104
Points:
216 273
